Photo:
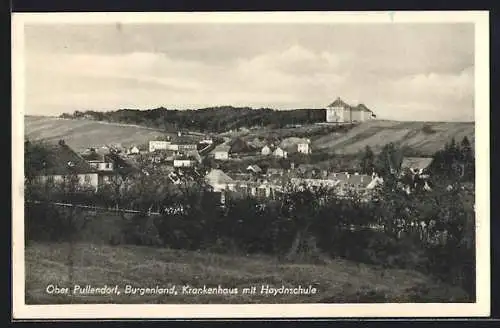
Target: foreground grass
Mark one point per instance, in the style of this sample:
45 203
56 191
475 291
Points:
337 282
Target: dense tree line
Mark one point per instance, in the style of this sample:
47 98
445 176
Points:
213 119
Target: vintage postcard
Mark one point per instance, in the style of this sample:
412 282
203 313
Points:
250 165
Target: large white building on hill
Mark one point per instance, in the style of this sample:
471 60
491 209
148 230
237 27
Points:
341 112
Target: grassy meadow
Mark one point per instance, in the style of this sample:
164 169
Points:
336 281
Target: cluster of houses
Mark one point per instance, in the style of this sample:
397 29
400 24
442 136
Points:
288 146
95 168
184 154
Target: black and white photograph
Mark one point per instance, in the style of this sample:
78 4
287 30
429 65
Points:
251 164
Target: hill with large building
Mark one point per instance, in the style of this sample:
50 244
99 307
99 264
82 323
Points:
423 138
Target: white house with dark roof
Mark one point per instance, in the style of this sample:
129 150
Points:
266 150
60 164
98 160
221 152
280 152
219 180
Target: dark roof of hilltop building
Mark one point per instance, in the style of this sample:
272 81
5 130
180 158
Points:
60 159
363 107
339 103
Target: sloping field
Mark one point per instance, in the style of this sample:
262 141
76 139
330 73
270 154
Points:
80 134
145 267
423 137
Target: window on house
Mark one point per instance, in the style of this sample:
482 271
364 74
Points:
88 179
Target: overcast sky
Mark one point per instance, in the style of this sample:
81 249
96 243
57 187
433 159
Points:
400 71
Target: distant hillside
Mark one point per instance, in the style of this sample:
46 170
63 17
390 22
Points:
80 134
419 138
213 119
424 138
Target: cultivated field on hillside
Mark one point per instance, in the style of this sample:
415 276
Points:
339 281
81 134
424 138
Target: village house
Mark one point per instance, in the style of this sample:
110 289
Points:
219 180
189 159
304 147
266 150
221 152
296 145
98 160
254 169
279 152
416 165
134 150
158 145
207 141
186 146
341 112
275 172
184 162
61 164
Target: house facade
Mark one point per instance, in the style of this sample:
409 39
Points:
266 150
281 153
158 145
98 161
184 163
134 150
304 148
221 152
63 165
341 112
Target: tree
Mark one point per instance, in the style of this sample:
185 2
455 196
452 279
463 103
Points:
368 161
389 160
302 205
467 156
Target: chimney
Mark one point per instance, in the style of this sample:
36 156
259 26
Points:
292 165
